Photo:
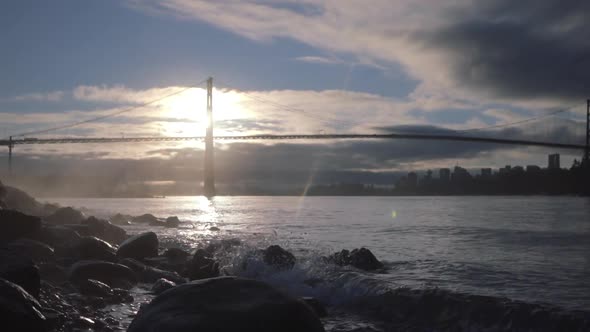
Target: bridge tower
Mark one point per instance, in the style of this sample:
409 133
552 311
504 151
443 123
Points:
209 174
586 159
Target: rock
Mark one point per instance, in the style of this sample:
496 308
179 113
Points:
2 196
278 257
139 246
56 236
226 304
172 222
158 223
37 251
114 275
202 266
214 229
316 305
65 215
20 270
90 247
145 219
360 258
53 273
121 219
14 225
94 288
162 285
105 230
82 322
150 274
175 253
19 311
19 200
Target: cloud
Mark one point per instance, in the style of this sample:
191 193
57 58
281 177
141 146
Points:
48 97
321 60
496 50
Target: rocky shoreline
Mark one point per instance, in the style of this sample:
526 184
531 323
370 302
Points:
63 271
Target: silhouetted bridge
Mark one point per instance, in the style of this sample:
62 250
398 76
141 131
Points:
439 137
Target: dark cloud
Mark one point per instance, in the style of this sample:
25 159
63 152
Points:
519 49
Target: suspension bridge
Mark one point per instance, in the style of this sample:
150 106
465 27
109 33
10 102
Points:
209 138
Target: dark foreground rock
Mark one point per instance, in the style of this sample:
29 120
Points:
65 215
139 246
103 229
14 225
360 258
114 275
37 251
20 270
226 304
90 247
278 257
19 311
56 236
202 266
146 273
19 200
162 285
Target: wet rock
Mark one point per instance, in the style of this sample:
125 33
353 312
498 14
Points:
53 273
65 215
172 221
14 225
90 247
175 254
19 200
226 304
94 288
150 274
20 270
316 305
360 258
105 230
83 322
38 251
19 311
162 285
56 236
139 246
145 219
214 229
202 266
121 219
278 257
114 275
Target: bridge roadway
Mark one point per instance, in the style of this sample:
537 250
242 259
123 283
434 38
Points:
294 137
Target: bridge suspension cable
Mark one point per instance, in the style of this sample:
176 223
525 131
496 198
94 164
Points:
102 117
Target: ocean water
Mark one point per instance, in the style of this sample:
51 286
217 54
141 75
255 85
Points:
534 249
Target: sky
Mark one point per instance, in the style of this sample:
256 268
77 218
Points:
289 66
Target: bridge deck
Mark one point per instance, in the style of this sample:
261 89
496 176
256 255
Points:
294 137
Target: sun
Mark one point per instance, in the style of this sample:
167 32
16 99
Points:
185 114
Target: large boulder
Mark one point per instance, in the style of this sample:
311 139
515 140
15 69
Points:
93 287
278 257
114 275
19 311
19 200
56 236
90 247
161 285
14 225
148 273
105 230
146 219
202 266
121 219
20 270
37 251
360 258
65 215
139 246
226 304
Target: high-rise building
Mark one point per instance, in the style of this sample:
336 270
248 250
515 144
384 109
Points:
486 172
554 161
444 174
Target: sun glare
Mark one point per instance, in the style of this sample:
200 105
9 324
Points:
189 110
